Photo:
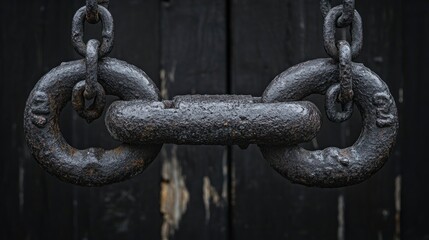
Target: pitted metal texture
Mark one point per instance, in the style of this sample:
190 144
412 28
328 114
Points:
213 120
94 166
333 167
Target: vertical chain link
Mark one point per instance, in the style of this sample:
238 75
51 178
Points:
92 14
347 14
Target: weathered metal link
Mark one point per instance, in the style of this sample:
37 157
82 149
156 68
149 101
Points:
345 67
90 88
330 105
213 120
346 17
342 92
95 110
92 11
104 3
93 166
325 6
329 29
333 167
91 68
92 15
107 32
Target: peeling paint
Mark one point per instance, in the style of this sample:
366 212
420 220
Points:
172 73
209 195
379 235
340 218
401 95
233 184
225 175
21 176
167 76
174 194
164 90
398 186
21 185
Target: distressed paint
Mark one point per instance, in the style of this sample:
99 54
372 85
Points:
209 195
341 218
398 192
174 194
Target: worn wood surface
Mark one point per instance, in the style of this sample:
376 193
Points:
214 192
415 131
193 61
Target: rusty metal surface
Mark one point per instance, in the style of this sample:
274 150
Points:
346 16
88 167
329 29
213 120
333 167
107 31
277 122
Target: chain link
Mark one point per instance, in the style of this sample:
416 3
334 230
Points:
345 67
346 17
91 68
90 88
107 32
342 92
92 11
92 14
92 51
340 17
329 29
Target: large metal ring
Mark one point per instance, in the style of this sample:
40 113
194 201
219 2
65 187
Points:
333 167
107 32
94 166
329 29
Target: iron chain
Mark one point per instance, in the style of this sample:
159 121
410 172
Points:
90 88
346 17
107 31
92 14
92 51
278 121
329 29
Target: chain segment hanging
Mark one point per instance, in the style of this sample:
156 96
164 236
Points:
103 75
278 121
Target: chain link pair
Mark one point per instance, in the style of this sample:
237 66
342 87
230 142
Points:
278 121
92 51
341 16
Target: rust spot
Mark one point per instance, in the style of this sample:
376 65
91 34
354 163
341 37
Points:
118 150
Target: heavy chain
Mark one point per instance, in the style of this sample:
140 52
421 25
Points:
341 16
92 14
103 75
347 13
92 51
278 121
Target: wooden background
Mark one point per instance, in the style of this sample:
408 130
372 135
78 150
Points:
214 192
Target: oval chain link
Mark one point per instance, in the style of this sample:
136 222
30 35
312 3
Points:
346 17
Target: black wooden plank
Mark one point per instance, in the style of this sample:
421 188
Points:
414 219
194 188
35 206
268 37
